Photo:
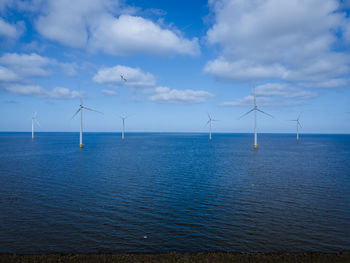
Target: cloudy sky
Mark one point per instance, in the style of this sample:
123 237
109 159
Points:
181 59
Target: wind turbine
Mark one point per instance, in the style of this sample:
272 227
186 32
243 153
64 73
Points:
298 124
123 119
255 109
81 107
36 121
209 122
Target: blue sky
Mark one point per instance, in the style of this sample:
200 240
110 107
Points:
181 59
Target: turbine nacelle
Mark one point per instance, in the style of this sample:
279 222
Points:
255 109
80 109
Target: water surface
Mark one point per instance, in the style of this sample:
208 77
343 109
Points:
173 192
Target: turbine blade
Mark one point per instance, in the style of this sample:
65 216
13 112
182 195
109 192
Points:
207 123
37 122
246 113
299 124
76 113
91 109
264 113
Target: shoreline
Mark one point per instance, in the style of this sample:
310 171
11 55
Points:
314 257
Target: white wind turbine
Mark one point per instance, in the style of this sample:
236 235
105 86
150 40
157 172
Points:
209 122
298 124
36 121
81 107
255 109
123 130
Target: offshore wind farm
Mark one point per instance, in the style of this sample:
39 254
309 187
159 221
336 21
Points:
174 131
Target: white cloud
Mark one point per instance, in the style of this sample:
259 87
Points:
288 40
243 69
174 96
28 90
34 65
274 94
109 92
332 83
38 91
95 24
130 34
68 22
27 65
134 76
284 91
61 93
7 75
10 31
20 68
246 101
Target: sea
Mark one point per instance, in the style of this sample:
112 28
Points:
174 192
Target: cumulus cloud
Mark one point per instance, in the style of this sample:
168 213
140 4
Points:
95 24
243 69
134 76
287 40
7 75
68 22
174 96
61 93
9 30
18 70
246 101
129 34
284 91
274 94
27 65
38 91
34 65
328 84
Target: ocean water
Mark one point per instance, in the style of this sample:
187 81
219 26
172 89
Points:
167 192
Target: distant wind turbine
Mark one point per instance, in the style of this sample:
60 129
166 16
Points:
36 121
123 119
122 78
298 124
255 109
81 107
209 122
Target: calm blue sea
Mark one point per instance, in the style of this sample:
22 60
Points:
162 192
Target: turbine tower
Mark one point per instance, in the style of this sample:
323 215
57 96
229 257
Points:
36 121
298 124
81 107
123 130
255 109
209 122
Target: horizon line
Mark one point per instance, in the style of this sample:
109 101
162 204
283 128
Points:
179 132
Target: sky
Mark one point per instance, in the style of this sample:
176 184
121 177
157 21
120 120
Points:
182 60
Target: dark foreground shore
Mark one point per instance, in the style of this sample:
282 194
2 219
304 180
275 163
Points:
176 257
